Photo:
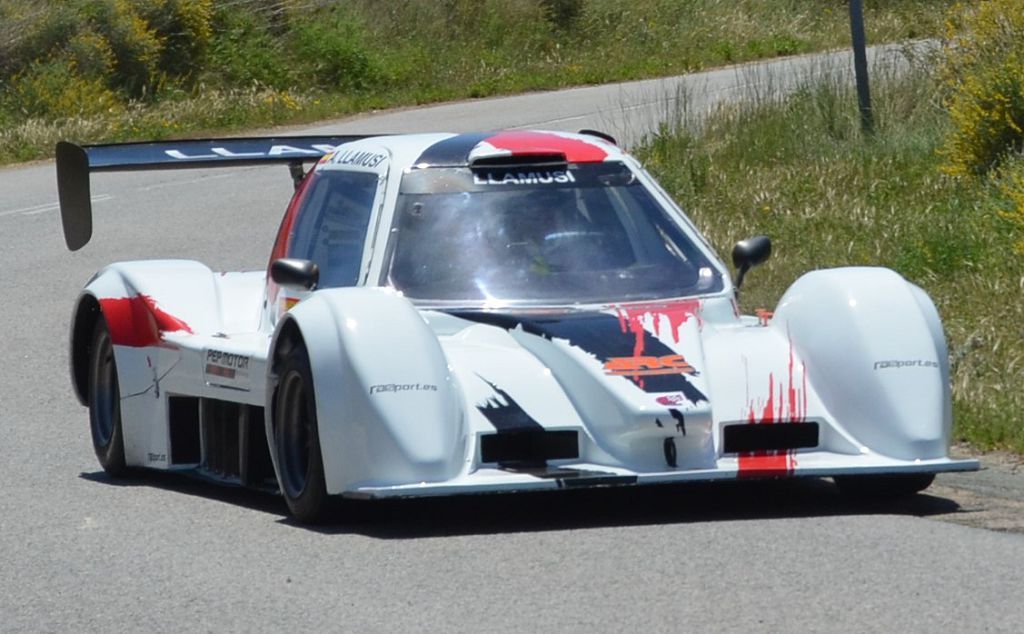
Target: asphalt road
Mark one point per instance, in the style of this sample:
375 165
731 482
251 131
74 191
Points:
81 552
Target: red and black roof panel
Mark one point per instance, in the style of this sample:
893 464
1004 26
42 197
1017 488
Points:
464 149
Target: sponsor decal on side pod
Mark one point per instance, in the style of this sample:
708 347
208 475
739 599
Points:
910 363
648 366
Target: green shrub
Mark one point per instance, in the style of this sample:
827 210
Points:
33 36
246 52
92 55
1011 186
136 46
332 50
983 68
562 13
56 90
184 29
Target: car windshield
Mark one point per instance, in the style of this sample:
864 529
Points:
588 233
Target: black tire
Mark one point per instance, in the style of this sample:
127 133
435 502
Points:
297 439
883 486
105 403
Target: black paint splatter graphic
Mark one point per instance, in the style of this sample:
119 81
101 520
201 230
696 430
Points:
507 416
680 421
599 334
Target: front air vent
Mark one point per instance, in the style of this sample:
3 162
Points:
529 447
183 420
537 159
769 437
221 437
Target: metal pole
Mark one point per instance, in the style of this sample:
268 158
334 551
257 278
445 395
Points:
860 65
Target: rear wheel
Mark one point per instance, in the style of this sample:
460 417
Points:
105 403
883 486
297 440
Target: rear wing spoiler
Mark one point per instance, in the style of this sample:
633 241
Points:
75 163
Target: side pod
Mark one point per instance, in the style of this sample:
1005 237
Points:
388 408
140 300
874 345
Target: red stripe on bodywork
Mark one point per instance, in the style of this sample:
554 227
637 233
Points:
138 322
282 245
788 406
766 464
285 230
531 143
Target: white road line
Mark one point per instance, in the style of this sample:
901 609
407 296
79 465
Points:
38 209
189 181
535 124
44 208
34 209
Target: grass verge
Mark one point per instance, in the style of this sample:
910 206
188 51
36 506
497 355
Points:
797 169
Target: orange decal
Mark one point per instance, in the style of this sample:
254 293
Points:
648 366
763 316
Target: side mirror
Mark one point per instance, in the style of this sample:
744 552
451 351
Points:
749 253
295 273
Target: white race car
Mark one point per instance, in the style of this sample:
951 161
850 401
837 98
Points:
506 311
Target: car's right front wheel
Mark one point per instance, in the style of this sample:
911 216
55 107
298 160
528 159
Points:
297 440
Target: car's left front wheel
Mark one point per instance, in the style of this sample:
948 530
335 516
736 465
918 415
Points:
105 403
297 439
